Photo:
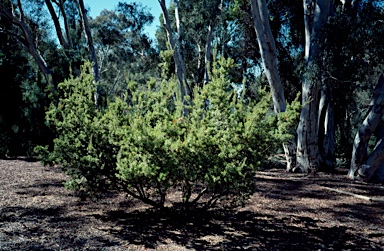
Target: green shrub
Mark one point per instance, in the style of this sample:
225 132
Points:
144 146
83 147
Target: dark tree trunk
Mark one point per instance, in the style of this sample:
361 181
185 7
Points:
56 23
326 128
88 37
92 51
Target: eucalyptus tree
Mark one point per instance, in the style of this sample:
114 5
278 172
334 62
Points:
336 68
267 47
174 43
200 19
370 166
27 31
367 158
31 20
22 98
316 15
200 26
124 51
89 39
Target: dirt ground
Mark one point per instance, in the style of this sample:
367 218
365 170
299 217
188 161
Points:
288 212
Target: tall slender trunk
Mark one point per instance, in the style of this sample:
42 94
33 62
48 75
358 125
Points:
65 40
268 52
92 51
326 127
177 56
57 25
179 47
316 15
268 55
88 38
66 24
207 54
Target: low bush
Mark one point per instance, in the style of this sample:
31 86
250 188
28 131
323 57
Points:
141 144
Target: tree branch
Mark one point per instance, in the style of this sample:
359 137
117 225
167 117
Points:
56 24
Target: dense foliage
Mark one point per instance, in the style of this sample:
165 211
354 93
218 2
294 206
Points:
144 146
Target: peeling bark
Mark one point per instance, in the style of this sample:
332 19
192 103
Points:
290 154
316 15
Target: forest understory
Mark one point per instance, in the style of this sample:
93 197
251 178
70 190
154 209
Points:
287 212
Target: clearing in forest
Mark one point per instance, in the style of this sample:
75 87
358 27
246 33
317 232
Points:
287 212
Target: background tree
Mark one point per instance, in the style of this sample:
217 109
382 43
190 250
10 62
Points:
27 32
123 50
22 98
27 23
316 15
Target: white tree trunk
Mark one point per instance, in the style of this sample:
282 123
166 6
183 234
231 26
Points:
316 15
374 166
360 145
268 55
207 57
178 45
268 52
177 56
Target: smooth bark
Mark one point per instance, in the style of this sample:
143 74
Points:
267 47
316 15
92 51
27 40
60 3
178 44
326 127
57 25
360 145
268 52
176 47
373 168
208 49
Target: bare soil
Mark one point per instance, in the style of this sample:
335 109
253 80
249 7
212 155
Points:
287 212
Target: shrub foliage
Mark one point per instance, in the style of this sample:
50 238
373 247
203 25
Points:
141 144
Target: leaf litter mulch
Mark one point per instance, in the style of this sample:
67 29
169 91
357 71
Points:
287 212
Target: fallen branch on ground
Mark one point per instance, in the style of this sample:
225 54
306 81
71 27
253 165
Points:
355 195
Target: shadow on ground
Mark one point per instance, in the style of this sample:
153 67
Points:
46 217
51 229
